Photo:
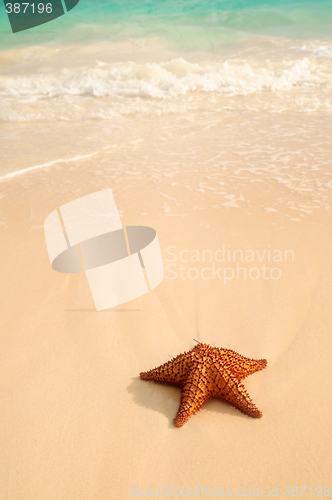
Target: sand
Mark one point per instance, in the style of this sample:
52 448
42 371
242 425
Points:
76 421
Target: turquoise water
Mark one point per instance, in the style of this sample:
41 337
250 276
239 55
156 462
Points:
169 56
182 24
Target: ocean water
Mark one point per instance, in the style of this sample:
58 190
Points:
108 58
184 24
231 100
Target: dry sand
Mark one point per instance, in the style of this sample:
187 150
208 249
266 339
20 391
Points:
76 421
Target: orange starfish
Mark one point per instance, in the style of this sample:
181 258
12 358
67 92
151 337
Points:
208 372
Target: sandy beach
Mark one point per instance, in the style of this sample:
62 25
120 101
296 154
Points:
211 123
76 421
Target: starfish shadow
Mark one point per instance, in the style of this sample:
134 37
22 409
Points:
165 399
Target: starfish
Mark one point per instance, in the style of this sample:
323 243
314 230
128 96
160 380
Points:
208 372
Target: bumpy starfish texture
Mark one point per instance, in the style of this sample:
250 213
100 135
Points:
208 372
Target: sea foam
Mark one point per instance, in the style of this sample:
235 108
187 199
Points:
106 89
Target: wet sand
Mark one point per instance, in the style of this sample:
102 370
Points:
76 421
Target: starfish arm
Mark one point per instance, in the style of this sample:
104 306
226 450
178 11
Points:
240 366
194 394
173 372
228 388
